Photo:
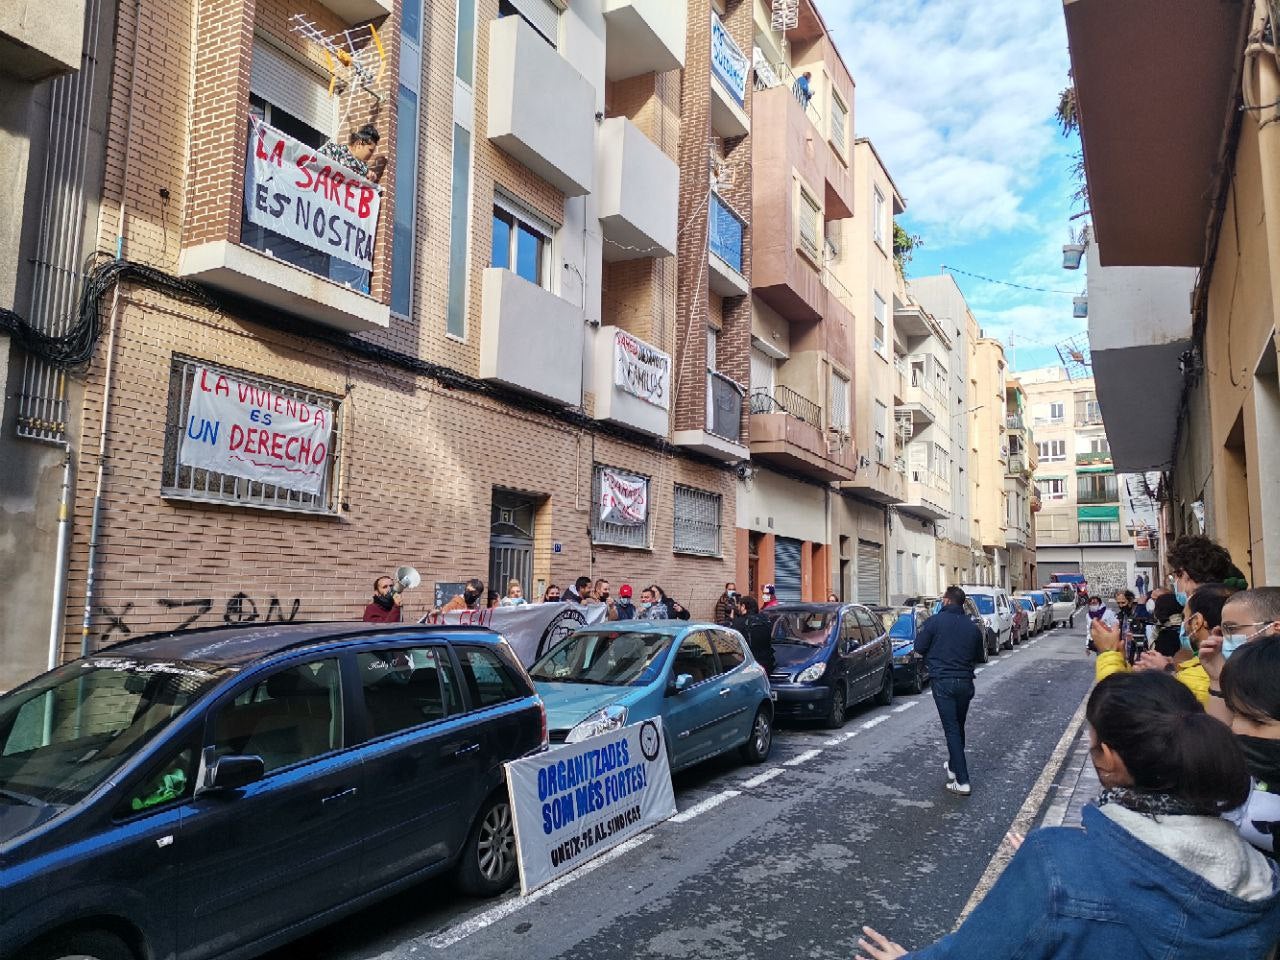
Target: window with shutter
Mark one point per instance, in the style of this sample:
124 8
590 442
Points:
289 86
839 403
839 118
809 213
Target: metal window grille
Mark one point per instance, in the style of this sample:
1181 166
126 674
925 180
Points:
181 482
697 522
617 534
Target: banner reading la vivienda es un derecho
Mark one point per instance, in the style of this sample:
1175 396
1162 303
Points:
293 191
253 432
577 801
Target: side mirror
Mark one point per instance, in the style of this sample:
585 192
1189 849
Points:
680 684
233 772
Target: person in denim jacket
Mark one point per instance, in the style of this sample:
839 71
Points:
1156 873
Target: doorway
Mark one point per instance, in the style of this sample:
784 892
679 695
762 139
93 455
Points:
511 540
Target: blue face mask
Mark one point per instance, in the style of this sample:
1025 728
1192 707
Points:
1181 597
1184 639
1232 642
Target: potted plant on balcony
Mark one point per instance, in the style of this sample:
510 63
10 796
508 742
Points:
1080 307
904 245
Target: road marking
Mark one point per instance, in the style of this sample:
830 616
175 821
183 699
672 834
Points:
702 807
905 706
836 741
875 721
801 758
449 937
1026 815
762 778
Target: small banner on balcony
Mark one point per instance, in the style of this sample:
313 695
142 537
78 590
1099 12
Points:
728 63
294 191
624 499
249 431
641 370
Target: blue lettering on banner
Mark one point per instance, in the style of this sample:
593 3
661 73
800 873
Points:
588 782
728 62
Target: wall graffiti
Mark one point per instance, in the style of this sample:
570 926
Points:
239 608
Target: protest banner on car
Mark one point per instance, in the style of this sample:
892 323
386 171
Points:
577 801
533 628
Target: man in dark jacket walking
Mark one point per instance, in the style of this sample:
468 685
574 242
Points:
758 631
951 644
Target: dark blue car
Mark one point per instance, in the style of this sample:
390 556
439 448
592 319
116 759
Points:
219 792
903 623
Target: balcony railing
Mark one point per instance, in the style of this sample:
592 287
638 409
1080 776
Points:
1088 415
1017 464
1092 459
1013 421
724 407
1094 495
769 75
726 233
785 400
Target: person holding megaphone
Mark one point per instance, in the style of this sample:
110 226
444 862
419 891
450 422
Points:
385 605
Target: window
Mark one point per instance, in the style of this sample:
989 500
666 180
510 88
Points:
182 482
465 59
542 15
166 783
1100 445
406 158
729 648
1051 450
762 368
407 688
1057 412
878 217
486 677
882 432
459 231
293 715
1052 488
1099 531
878 336
627 526
521 243
839 417
809 224
694 657
697 522
1097 488
839 117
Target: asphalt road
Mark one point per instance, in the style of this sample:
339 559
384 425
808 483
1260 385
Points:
785 859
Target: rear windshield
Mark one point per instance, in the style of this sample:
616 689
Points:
809 627
904 627
66 733
985 602
1024 602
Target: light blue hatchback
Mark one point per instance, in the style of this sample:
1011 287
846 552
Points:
698 678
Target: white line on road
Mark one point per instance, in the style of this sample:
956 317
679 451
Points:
874 721
836 741
449 937
801 758
703 806
762 778
904 706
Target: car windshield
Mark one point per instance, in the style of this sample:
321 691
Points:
812 628
614 658
63 735
1025 603
903 626
985 602
1066 595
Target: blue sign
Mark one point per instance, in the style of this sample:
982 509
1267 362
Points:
557 547
728 62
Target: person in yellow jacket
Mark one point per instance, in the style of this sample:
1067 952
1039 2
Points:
1200 618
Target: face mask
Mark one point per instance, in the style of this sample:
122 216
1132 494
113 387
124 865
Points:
470 596
1231 642
1262 757
1181 597
1151 606
1185 639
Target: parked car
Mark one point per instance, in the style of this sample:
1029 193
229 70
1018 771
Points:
1062 601
992 643
223 791
1030 614
1078 581
1044 611
903 623
700 679
828 657
996 606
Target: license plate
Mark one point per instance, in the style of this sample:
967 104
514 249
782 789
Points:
773 694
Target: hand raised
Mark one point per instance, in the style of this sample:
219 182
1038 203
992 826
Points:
878 946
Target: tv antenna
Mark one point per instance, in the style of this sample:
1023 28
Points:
355 58
1074 354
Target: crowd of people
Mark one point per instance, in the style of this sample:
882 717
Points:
1176 858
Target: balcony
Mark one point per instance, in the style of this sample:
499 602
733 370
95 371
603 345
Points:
786 429
721 436
1013 422
353 12
913 322
638 190
1088 415
1096 460
541 111
725 253
1017 536
928 495
1100 493
921 400
643 36
1016 466
40 41
631 382
530 339
729 71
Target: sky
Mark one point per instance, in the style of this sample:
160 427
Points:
959 100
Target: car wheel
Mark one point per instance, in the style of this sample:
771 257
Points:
488 864
760 742
80 945
986 649
917 681
885 696
839 708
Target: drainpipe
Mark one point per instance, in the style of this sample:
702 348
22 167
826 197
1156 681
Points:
60 564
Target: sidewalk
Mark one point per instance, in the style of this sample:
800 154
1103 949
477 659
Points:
1076 785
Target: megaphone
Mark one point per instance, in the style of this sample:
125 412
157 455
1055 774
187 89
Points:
406 579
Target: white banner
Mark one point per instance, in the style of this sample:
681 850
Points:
641 370
579 800
255 433
624 499
291 189
531 629
727 61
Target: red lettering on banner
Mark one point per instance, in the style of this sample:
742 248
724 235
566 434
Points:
322 418
366 202
237 436
304 165
336 180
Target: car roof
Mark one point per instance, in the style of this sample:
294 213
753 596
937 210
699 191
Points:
237 646
802 607
651 626
981 588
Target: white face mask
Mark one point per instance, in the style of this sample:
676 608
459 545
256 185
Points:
1151 606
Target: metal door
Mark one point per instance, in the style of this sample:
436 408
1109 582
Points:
786 569
511 541
870 572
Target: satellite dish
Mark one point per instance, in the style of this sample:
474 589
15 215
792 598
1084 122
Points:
406 579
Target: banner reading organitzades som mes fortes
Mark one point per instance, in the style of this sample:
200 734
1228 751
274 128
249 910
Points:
292 190
253 432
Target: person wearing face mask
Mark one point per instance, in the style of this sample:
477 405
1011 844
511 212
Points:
385 605
1246 616
1195 560
1155 870
1251 690
469 598
1098 611
650 607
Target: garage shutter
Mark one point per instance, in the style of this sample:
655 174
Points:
870 572
286 84
786 569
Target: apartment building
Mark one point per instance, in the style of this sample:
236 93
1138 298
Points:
491 364
989 454
1022 500
1083 524
1184 297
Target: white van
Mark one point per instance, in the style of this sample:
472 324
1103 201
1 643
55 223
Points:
997 608
1062 601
